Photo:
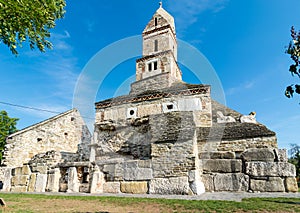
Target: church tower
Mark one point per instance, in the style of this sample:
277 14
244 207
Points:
158 67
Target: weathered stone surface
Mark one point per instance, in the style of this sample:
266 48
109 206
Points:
132 171
176 185
66 131
271 169
32 181
208 181
262 154
26 170
97 181
291 184
221 165
40 169
40 184
53 180
273 184
18 189
216 155
5 177
231 182
282 155
73 182
134 187
20 180
195 181
17 171
114 172
111 187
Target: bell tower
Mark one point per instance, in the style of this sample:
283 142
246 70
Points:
158 67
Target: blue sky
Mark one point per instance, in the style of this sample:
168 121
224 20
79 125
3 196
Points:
244 40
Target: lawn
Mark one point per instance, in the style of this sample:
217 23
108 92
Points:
51 203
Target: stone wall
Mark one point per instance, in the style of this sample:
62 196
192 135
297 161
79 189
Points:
66 132
255 170
156 154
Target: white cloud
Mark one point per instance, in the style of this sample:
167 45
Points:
187 12
244 86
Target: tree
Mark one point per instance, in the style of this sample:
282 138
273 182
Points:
294 51
294 153
29 20
7 127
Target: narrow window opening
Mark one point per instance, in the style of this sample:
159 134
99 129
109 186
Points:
66 134
155 46
131 112
72 119
170 106
39 139
156 22
155 65
150 67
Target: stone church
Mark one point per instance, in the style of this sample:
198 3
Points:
165 137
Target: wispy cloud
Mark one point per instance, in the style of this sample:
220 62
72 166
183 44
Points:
187 11
243 86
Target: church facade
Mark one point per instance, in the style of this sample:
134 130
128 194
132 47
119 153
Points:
171 137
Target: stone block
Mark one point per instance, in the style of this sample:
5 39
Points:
261 154
20 180
176 185
195 181
26 170
291 184
40 169
53 181
40 184
97 181
111 187
134 187
216 155
7 180
32 181
144 164
208 181
231 182
73 182
17 171
138 174
273 184
271 169
23 180
222 165
282 155
18 189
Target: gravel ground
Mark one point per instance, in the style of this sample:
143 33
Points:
230 196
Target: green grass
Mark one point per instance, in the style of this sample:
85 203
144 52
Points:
16 203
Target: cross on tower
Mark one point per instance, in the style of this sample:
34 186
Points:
160 4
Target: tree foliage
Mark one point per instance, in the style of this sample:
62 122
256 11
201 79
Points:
294 153
7 127
294 51
29 20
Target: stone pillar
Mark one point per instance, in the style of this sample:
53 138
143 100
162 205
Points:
97 181
7 180
53 180
41 181
73 182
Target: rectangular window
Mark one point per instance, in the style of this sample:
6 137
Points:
155 46
155 65
150 67
155 20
